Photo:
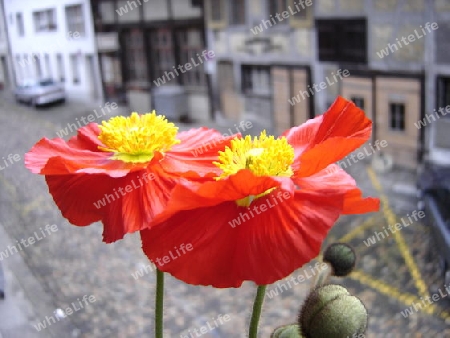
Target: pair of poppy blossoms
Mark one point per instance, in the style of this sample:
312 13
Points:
194 199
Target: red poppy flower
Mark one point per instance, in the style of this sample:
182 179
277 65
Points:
121 172
269 211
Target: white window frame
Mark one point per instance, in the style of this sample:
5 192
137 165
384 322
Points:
45 20
75 19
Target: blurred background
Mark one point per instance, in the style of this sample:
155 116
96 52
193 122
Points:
237 66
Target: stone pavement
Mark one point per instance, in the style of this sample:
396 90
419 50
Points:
72 262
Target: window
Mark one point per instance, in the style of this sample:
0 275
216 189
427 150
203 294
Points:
162 43
256 86
301 10
256 80
75 19
112 75
237 12
37 64
74 63
136 59
342 40
19 68
48 67
45 21
191 48
397 116
60 67
217 13
443 90
20 26
358 101
191 53
294 9
441 136
277 6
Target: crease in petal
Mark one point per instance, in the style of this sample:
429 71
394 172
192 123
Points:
87 138
194 137
124 205
145 197
264 248
56 157
194 156
329 138
333 178
188 195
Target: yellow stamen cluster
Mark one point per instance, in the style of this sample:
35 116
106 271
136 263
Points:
263 156
137 137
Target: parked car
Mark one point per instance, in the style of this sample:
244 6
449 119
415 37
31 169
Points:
40 92
434 199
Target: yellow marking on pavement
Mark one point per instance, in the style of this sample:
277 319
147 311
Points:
8 186
391 219
357 230
30 206
11 189
406 298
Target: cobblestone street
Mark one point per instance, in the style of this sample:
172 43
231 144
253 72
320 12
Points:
392 273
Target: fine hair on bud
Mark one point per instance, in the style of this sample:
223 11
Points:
287 331
341 257
331 311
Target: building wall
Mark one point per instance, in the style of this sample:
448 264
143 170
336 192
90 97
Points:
389 61
6 73
402 145
156 50
34 49
437 64
261 41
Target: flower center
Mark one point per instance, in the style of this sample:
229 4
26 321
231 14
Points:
263 156
136 138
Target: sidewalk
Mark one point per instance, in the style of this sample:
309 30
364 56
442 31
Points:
25 302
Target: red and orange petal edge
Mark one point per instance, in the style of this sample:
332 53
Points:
143 155
269 210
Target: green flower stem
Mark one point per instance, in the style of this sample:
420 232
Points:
257 307
322 277
159 304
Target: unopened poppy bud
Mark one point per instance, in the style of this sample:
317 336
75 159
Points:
330 311
287 331
341 257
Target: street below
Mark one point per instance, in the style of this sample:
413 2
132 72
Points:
109 288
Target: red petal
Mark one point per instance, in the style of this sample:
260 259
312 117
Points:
265 248
195 155
301 137
355 204
333 178
343 128
194 138
75 195
87 138
138 207
191 195
84 199
56 157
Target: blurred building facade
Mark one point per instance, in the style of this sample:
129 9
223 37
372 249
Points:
6 74
277 62
54 39
141 46
282 62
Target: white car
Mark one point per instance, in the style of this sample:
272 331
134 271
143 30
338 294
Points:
40 92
